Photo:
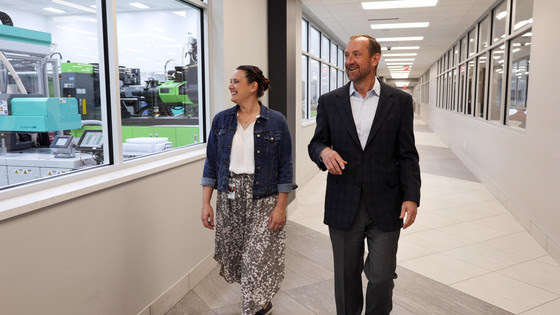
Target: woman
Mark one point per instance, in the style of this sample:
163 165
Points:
249 162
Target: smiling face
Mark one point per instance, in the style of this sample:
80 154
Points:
241 90
359 64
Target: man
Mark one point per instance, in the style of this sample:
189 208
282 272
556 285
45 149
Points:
364 138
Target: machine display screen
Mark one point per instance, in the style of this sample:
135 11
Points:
91 140
61 141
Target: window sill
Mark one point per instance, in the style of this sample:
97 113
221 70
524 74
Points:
34 196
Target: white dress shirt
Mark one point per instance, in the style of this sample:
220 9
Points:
242 159
363 110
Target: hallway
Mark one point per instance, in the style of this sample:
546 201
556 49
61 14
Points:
464 255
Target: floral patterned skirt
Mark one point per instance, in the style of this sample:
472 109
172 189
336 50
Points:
248 252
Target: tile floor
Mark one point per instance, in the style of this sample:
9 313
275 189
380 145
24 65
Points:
465 254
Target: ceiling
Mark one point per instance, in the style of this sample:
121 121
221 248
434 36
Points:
449 19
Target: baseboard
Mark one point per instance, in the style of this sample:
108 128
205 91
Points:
179 289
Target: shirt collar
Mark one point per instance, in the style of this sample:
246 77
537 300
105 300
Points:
263 114
376 88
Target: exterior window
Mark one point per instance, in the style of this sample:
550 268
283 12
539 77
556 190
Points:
481 86
314 87
340 78
462 87
484 34
325 45
464 48
496 77
523 14
161 94
341 58
333 78
314 41
324 78
304 35
304 87
334 54
472 42
499 22
519 60
455 55
470 87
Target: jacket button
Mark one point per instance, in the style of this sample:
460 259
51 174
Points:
258 167
257 182
258 135
271 138
258 151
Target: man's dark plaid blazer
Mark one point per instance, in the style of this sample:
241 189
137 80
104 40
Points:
385 173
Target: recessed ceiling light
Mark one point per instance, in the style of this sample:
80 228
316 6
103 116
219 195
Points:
501 15
400 75
139 5
401 55
399 63
399 25
54 10
180 13
75 6
398 4
399 39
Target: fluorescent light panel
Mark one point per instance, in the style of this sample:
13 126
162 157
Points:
402 48
398 4
139 5
399 25
400 59
401 55
399 63
75 6
399 39
53 10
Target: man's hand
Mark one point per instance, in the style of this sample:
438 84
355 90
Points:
334 163
410 208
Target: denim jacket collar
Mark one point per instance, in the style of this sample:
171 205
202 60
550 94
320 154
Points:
264 114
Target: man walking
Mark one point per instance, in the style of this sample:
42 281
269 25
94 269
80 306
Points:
364 138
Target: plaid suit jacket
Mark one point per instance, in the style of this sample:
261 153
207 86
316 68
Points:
386 173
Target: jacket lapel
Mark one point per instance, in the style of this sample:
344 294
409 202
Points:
345 110
383 108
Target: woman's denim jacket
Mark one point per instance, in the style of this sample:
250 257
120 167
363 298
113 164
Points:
273 152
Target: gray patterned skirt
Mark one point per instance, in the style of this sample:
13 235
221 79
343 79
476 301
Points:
248 252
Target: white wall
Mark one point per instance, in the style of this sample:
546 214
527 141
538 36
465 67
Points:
520 167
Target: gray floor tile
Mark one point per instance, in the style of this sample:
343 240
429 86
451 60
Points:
311 244
421 295
318 297
216 292
301 271
191 304
442 162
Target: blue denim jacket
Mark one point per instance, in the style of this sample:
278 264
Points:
273 152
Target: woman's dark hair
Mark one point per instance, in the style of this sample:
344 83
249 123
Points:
254 74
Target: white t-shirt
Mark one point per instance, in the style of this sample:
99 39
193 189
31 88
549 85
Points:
242 160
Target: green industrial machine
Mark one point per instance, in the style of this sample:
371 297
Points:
81 80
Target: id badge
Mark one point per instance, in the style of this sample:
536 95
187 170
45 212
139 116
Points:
231 191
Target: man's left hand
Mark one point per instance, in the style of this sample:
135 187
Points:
409 208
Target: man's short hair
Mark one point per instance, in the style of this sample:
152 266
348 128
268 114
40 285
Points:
373 45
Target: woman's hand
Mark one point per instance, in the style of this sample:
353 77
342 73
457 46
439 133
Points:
207 216
277 218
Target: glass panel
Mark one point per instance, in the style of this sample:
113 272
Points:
334 52
314 91
455 55
324 78
463 49
340 78
523 13
325 44
160 92
481 86
304 87
520 59
453 90
462 86
304 35
496 77
470 86
340 58
499 22
314 41
333 78
40 134
484 33
472 42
